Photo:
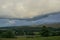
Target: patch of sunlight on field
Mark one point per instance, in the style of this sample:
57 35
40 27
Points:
34 38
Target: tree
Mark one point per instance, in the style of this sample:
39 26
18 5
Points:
45 32
8 34
29 33
0 32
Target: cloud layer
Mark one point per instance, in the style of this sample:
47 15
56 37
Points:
27 8
46 20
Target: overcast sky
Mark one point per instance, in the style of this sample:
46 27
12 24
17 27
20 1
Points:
27 8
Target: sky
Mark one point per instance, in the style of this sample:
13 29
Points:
27 8
46 20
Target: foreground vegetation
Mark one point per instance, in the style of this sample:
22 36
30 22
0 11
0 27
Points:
30 33
34 38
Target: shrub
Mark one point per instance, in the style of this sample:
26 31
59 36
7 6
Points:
8 34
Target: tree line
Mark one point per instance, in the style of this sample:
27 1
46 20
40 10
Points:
44 32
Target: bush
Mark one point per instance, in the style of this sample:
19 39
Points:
8 34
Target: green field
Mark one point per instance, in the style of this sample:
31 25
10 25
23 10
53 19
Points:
35 38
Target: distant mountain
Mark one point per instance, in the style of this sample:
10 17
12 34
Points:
56 25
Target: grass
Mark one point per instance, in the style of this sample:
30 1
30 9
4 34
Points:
34 38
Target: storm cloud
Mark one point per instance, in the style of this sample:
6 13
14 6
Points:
27 8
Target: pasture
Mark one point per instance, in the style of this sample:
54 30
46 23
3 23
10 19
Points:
34 38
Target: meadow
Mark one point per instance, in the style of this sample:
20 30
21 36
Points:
34 38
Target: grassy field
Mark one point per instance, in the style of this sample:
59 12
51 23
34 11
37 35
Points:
35 38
